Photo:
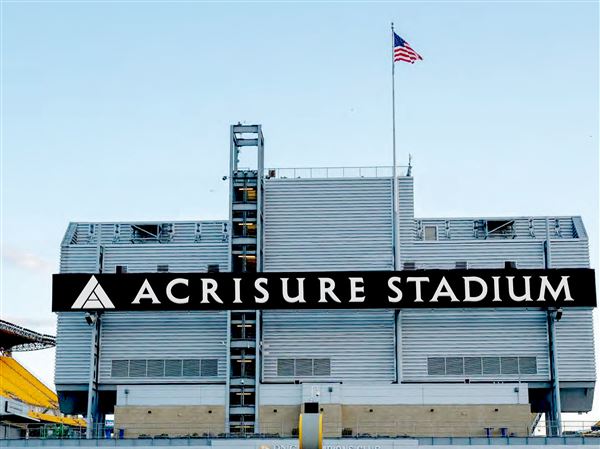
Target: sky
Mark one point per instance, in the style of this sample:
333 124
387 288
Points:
121 111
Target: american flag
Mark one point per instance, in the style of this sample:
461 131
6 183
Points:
403 51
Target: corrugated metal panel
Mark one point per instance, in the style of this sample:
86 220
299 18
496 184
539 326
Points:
73 334
477 253
575 340
328 224
527 228
163 335
74 342
121 232
170 395
406 208
472 332
179 257
571 253
359 344
79 259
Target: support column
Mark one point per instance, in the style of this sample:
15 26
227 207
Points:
93 409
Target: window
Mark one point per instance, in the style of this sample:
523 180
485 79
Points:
156 368
322 367
212 268
162 268
409 266
461 265
454 366
430 232
491 365
209 368
285 367
173 368
510 265
191 368
436 366
152 233
481 366
165 368
120 269
120 368
509 365
137 368
303 367
527 365
473 366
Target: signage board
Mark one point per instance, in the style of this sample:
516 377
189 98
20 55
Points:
324 290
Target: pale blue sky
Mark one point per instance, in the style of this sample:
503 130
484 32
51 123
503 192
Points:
120 111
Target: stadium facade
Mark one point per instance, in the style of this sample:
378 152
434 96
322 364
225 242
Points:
380 372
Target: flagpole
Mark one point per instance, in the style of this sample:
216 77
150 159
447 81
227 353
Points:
396 243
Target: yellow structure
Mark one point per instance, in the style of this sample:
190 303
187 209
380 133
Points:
20 385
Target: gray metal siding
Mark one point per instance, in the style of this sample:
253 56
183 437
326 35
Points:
328 224
144 258
575 340
478 254
163 335
176 337
331 224
359 344
74 343
472 332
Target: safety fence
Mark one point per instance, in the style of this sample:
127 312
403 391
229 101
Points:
282 429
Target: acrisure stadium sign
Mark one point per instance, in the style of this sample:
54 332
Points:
324 290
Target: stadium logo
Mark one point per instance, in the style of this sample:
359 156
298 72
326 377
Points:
93 296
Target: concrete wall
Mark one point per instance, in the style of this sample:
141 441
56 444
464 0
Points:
413 420
171 420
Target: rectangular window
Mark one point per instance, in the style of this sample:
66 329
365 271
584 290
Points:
461 265
156 368
162 268
430 232
173 368
454 366
191 368
120 368
137 368
285 367
477 366
527 365
491 365
209 368
436 366
120 269
303 367
473 366
212 268
322 367
509 365
409 266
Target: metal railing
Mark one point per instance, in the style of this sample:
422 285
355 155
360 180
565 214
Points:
334 172
283 429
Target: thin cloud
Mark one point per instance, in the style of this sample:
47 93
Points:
25 260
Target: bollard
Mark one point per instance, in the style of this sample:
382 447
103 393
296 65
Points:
310 427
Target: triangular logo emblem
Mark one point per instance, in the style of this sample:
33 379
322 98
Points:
93 296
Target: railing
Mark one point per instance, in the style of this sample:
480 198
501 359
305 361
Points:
282 429
335 172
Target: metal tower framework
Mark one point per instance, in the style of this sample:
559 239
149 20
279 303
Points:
246 196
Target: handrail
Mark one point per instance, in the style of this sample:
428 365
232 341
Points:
378 171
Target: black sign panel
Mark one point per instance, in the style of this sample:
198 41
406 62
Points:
324 290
